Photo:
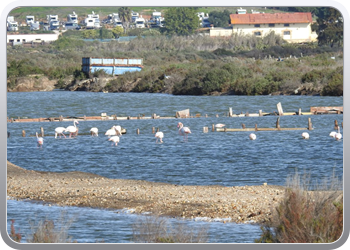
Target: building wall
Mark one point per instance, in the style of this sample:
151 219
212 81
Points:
220 32
295 32
25 38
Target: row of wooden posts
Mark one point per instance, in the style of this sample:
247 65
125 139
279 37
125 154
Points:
213 128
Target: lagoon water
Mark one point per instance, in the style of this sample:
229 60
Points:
214 158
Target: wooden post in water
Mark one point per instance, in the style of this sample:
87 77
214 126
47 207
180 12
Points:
256 127
243 126
278 123
138 131
299 112
61 118
42 131
205 129
336 124
260 113
310 124
153 130
84 117
23 133
213 128
230 112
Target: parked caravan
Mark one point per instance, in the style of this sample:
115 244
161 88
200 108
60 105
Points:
92 21
140 22
54 25
35 25
29 19
11 24
72 18
156 19
51 18
134 16
71 26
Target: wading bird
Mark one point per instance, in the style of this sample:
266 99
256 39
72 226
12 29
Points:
39 140
159 136
73 130
305 135
115 130
184 131
115 139
59 131
338 135
252 136
94 131
332 134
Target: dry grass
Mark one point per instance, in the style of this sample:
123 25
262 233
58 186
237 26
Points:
151 229
308 213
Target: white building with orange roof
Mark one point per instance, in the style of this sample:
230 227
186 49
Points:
292 27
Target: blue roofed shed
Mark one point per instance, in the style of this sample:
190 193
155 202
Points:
112 66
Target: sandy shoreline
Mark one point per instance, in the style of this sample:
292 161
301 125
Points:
240 204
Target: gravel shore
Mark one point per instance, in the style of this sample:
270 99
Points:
240 204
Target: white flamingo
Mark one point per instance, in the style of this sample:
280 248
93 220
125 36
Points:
338 135
184 131
94 131
252 136
115 139
73 130
332 134
115 130
159 135
305 135
39 140
59 131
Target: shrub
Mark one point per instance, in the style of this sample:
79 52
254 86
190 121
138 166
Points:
49 231
306 216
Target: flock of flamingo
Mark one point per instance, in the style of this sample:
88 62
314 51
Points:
115 133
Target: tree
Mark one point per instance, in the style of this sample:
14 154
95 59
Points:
181 20
219 18
125 16
117 31
329 27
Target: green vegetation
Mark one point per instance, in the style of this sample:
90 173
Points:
195 63
201 65
306 216
181 21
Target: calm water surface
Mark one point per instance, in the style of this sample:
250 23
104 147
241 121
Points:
213 158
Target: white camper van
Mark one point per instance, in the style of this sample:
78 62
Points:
140 22
29 19
72 18
11 24
92 21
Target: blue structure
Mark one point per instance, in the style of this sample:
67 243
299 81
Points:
112 66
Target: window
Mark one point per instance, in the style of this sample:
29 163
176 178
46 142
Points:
257 25
271 25
286 25
257 33
286 33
